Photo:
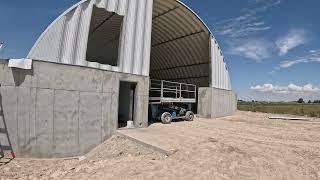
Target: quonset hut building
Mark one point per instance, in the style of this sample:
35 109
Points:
86 64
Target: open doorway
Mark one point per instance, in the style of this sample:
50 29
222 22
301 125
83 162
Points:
180 47
126 103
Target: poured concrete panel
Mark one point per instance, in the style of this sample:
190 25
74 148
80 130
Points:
114 112
108 83
26 120
214 103
90 120
204 102
45 75
44 122
139 115
8 77
84 79
66 123
71 78
108 119
145 120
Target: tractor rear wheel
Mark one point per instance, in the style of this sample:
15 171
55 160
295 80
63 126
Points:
189 116
166 118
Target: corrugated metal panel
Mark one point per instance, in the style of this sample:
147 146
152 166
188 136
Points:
69 35
82 42
220 74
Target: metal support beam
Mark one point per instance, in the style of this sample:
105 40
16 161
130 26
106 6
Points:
164 13
174 39
195 77
176 67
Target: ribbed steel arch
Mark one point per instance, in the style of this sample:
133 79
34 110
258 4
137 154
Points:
184 49
196 16
180 44
54 22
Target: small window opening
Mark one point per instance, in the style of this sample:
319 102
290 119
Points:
104 37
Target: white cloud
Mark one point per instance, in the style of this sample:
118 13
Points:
291 88
276 97
291 40
252 49
248 23
312 57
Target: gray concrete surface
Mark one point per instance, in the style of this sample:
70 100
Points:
57 110
214 103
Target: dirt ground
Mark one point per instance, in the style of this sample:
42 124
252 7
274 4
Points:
244 146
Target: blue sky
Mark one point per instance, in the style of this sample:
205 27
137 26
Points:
272 47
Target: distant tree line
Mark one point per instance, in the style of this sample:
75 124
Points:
300 100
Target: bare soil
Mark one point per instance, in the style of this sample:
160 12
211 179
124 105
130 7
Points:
244 146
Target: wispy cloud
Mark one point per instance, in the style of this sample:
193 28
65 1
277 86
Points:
247 23
312 57
291 40
256 49
291 88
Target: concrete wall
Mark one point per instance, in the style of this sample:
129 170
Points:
213 102
59 110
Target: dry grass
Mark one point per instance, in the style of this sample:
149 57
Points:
311 110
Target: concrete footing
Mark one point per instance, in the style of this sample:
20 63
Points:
57 110
214 103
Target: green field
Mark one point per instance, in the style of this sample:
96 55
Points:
304 109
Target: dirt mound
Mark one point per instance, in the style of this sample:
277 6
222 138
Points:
115 149
118 147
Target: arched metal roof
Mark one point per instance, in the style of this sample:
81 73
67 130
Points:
195 15
182 46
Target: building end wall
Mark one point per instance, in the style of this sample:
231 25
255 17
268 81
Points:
57 110
214 103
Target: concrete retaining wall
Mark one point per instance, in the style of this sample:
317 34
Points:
57 110
214 103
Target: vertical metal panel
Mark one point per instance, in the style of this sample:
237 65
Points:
137 60
70 37
224 76
216 60
130 22
42 49
122 7
219 69
220 74
147 38
112 5
82 42
213 63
